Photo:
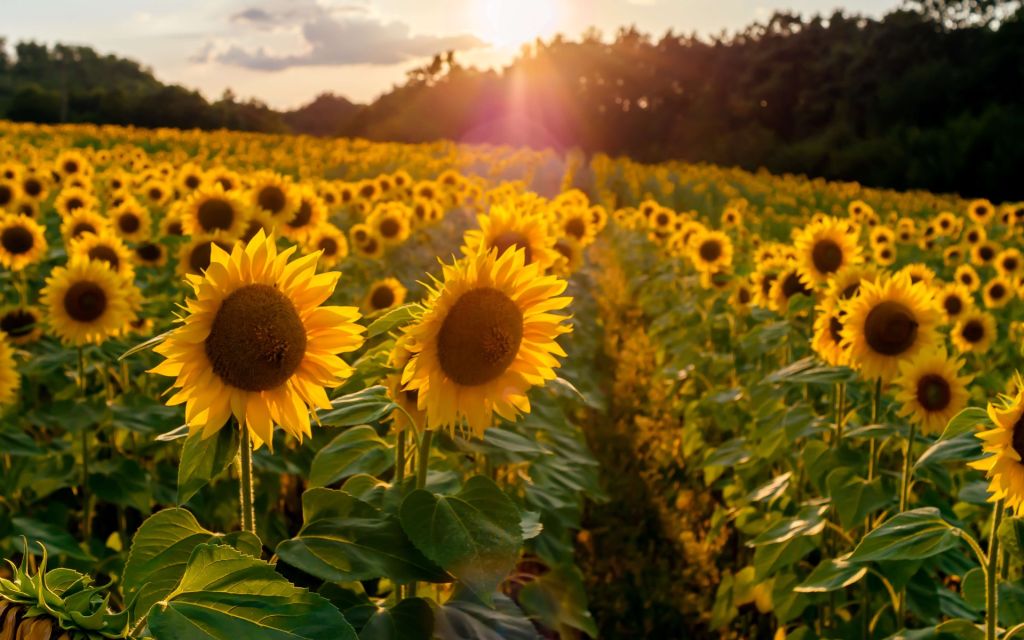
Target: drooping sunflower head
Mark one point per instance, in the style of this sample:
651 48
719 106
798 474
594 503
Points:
22 324
212 210
408 399
104 247
87 302
930 390
10 381
786 286
890 321
507 227
487 335
570 256
1004 466
825 247
383 295
919 272
255 342
22 241
974 331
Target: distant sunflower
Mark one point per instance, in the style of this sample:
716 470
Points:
711 251
131 221
82 222
170 224
984 253
87 302
975 235
890 321
955 300
576 223
786 286
360 233
189 178
390 223
10 381
372 248
975 332
331 242
953 256
383 295
310 214
22 324
824 248
980 211
882 236
930 390
828 337
884 255
104 247
1004 466
742 295
194 256
570 256
72 199
919 272
275 195
1009 263
257 344
150 254
967 276
845 284
10 193
506 227
157 193
997 293
487 335
22 241
211 209
35 187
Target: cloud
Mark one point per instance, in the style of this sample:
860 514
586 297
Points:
332 37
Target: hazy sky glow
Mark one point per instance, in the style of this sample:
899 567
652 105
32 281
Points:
285 52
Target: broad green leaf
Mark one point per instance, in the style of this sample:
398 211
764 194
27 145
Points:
410 619
557 598
728 454
227 595
972 588
161 548
808 522
1011 535
853 497
203 460
356 450
960 629
345 539
809 370
361 407
56 539
771 489
474 535
959 448
770 558
464 617
967 421
832 575
392 319
911 535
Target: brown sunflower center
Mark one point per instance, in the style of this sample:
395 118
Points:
360 236
129 222
155 194
986 253
328 245
480 336
389 227
71 166
997 291
953 305
192 181
890 328
835 329
271 198
74 204
85 301
503 241
199 258
744 296
766 284
371 246
106 254
710 250
257 340
216 214
18 322
850 291
82 228
792 285
302 216
17 240
149 252
827 256
32 187
973 331
576 228
175 229
1018 437
382 297
1010 264
6 195
934 392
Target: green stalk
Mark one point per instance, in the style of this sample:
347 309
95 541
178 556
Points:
992 575
907 475
245 485
400 459
86 497
424 458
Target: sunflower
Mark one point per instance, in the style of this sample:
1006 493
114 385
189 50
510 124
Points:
131 221
34 187
953 256
742 294
576 223
980 211
72 199
763 279
487 335
975 235
157 192
967 276
312 213
259 220
226 178
888 322
884 255
72 162
929 389
662 221
105 247
194 256
212 210
974 332
711 251
1009 263
331 242
1004 466
828 336
383 295
409 413
86 301
10 381
955 300
882 236
360 234
190 177
984 253
823 248
22 241
390 223
997 293
22 324
256 343
570 256
788 284
505 227
83 222
275 195
845 284
170 224
150 254
10 193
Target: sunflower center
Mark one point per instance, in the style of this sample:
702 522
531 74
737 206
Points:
74 203
766 284
106 254
257 340
509 239
997 292
271 198
576 228
850 291
360 236
1018 437
953 305
973 331
17 240
986 253
792 285
302 216
1010 264
744 296
382 298
155 194
32 187
710 250
827 256
835 329
216 214
328 245
175 229
389 228
480 336
17 323
129 222
890 328
81 228
934 392
85 301
149 252
6 194
192 182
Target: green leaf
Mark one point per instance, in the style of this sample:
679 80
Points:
474 535
771 489
56 539
160 550
345 539
393 318
557 598
960 629
972 588
227 595
203 460
808 522
361 407
1011 535
911 535
967 421
854 497
410 619
729 454
809 370
357 450
463 617
832 575
959 448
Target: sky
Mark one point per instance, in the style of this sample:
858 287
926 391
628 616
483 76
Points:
286 52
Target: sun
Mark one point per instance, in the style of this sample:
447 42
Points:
510 23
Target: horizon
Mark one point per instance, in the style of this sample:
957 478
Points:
287 52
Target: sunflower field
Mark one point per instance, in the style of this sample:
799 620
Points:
258 386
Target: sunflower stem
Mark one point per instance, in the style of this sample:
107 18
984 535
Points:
424 458
86 497
907 476
400 460
245 484
992 576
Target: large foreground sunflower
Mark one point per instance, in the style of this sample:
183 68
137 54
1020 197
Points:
487 336
1004 467
9 378
930 391
256 343
888 322
88 302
